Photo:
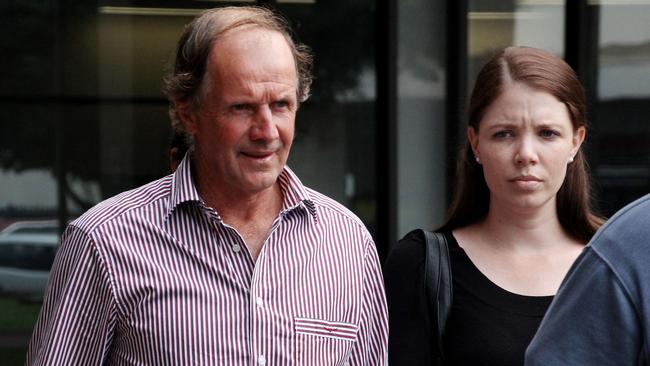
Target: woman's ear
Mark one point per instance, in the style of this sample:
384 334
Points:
472 138
578 137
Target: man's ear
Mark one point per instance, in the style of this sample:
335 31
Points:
187 115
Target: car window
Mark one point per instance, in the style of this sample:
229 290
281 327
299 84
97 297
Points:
27 256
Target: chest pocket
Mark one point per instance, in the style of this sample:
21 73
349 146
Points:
322 342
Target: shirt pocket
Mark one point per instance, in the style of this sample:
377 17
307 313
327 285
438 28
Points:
323 342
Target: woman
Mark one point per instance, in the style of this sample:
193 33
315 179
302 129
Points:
520 217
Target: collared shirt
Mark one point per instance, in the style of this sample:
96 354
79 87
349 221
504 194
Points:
153 276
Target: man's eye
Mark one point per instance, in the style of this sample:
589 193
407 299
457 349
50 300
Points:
281 104
242 107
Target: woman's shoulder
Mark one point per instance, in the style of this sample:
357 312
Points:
408 252
412 244
410 329
410 249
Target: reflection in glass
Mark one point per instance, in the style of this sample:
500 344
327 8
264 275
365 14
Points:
622 102
495 24
624 57
421 127
334 147
82 118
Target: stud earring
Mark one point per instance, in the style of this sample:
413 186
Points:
571 159
478 161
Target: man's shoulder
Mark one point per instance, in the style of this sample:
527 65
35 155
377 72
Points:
622 243
332 209
123 203
637 210
630 226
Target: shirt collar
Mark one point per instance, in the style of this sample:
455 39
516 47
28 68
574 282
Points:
295 194
184 189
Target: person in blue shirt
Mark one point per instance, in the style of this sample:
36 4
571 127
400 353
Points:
601 314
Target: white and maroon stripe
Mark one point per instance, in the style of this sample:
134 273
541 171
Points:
154 277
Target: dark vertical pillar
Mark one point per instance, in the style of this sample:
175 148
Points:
457 57
59 155
581 42
386 107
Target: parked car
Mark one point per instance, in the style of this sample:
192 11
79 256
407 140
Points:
27 250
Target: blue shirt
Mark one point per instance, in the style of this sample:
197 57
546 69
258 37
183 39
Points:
601 314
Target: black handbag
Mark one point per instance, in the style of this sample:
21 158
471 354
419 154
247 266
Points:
437 283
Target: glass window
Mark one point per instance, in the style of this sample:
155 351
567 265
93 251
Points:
421 127
496 24
83 118
334 147
621 102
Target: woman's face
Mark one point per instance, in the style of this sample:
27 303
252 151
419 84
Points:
524 143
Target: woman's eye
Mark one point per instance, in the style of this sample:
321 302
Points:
503 134
548 133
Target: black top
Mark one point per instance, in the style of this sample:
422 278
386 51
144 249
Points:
487 324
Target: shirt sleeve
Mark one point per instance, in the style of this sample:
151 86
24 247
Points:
371 346
592 320
76 321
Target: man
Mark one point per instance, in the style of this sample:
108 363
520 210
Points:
601 315
230 260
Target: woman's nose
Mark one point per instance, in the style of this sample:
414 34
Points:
526 153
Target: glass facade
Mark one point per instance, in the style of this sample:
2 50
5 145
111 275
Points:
421 127
620 96
496 24
82 115
83 118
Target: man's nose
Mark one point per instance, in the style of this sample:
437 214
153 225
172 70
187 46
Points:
264 127
526 153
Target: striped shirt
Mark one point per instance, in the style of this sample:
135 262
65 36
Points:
153 276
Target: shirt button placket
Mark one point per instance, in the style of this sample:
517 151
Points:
257 318
257 321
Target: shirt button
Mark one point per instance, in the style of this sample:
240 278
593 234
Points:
261 360
236 248
260 303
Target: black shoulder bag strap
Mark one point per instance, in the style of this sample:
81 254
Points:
437 281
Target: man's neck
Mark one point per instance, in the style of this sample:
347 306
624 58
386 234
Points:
251 214
243 207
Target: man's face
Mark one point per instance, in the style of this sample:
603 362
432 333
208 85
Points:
244 126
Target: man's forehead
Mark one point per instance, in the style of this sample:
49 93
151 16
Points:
253 50
248 35
246 60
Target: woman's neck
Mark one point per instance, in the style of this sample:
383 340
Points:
519 229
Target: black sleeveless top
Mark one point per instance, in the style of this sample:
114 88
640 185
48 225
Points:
487 324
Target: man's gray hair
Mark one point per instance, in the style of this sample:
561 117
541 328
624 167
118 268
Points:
183 82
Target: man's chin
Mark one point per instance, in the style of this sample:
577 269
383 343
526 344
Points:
261 181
